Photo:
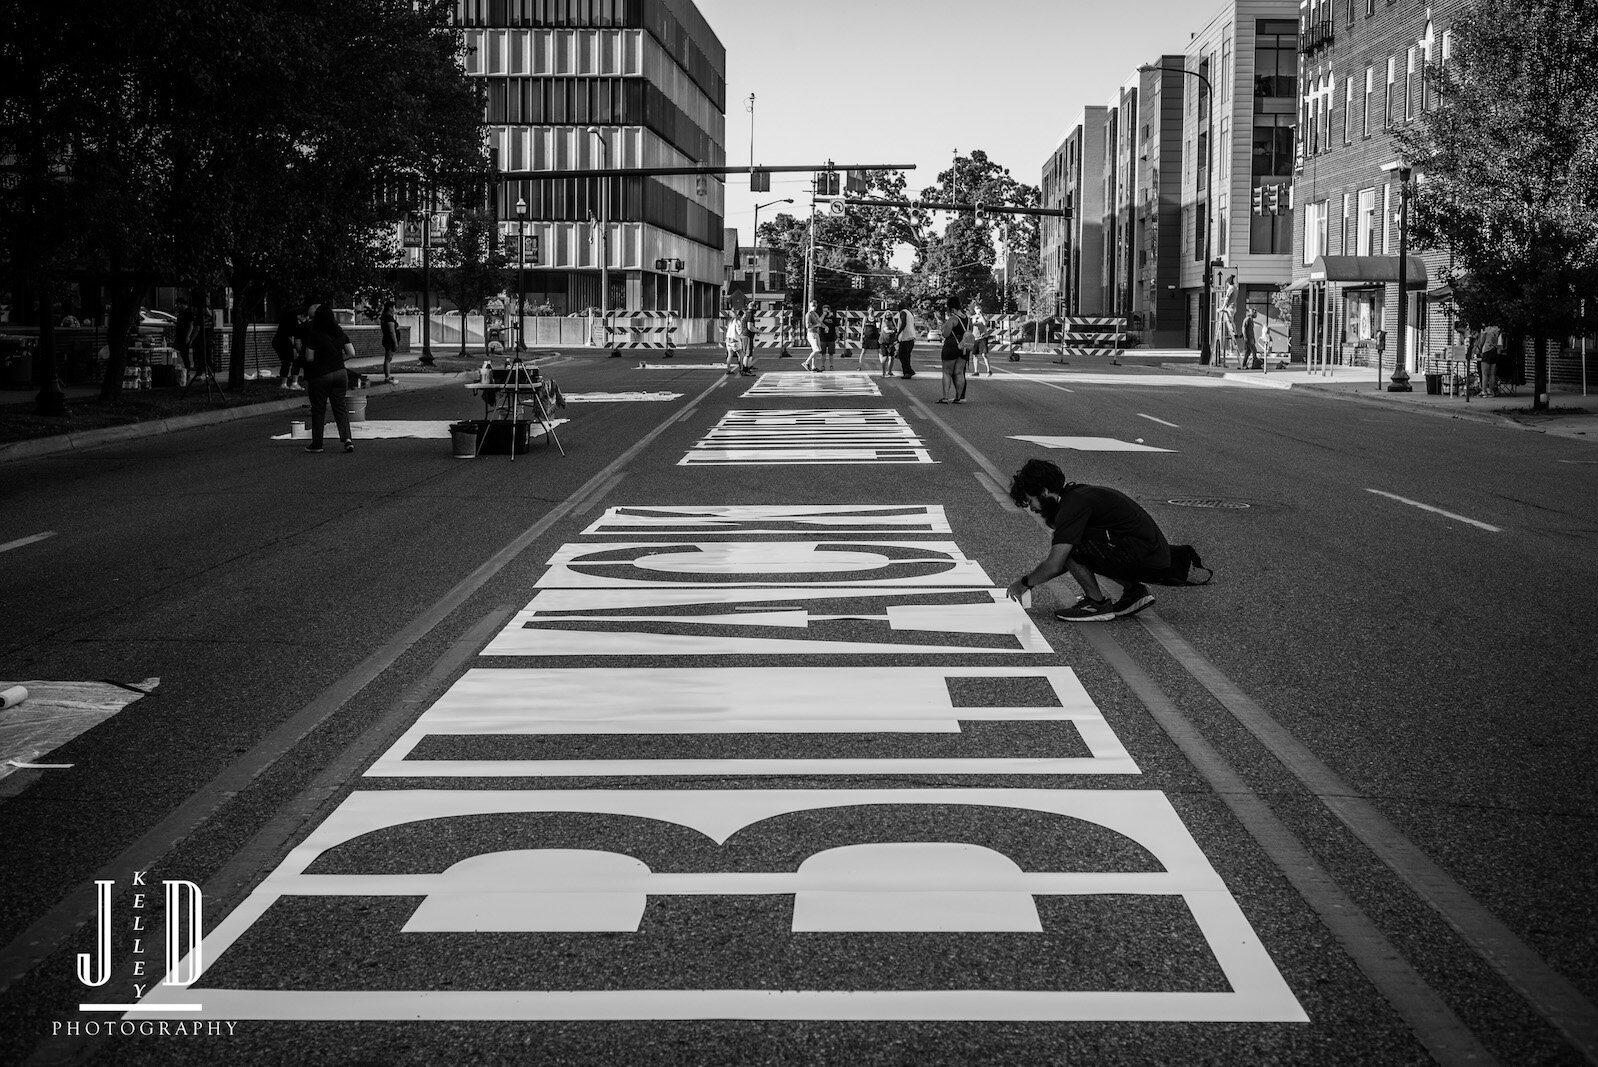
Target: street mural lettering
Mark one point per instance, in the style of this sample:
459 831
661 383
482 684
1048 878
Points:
544 706
528 886
671 520
598 902
803 383
807 436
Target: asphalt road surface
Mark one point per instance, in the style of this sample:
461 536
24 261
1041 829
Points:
715 741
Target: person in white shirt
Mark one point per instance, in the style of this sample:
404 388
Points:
813 332
907 340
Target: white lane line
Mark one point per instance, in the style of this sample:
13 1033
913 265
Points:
1438 511
1162 422
9 545
1040 381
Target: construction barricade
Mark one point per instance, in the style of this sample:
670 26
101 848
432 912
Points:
641 329
1097 335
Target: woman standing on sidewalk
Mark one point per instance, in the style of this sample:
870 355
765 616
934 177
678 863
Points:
326 378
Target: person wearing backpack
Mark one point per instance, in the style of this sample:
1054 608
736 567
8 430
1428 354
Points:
1099 532
889 339
955 351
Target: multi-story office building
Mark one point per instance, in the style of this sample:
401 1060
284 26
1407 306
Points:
1244 106
1362 77
588 84
1142 198
1073 248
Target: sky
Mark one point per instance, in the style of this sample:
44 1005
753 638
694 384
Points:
911 81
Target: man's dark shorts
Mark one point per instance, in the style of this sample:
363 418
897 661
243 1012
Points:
1123 567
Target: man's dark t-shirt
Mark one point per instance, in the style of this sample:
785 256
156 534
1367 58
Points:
1107 525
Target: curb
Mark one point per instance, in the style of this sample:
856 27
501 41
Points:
110 435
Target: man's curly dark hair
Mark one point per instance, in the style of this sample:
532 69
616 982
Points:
1034 478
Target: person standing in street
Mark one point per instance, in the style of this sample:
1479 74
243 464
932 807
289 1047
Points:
889 339
1098 533
952 351
982 326
907 339
870 339
326 377
829 336
390 326
746 346
813 335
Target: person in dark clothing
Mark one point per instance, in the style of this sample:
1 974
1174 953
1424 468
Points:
184 331
1098 533
829 337
390 326
285 342
326 379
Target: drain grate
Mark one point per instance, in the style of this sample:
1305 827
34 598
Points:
1207 503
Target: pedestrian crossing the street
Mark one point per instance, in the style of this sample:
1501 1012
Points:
809 436
1006 840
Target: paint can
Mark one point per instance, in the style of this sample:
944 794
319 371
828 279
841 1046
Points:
10 698
298 431
355 404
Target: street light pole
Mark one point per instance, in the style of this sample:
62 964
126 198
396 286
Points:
521 273
604 237
426 358
1400 380
1209 207
784 200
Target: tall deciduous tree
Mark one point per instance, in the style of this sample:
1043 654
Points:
1508 171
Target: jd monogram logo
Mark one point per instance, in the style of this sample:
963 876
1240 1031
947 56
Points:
183 901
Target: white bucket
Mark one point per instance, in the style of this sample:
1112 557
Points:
298 431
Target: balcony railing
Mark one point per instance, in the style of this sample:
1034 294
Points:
1318 36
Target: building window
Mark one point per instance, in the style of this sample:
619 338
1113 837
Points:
1368 240
1344 244
1392 82
1275 57
1409 85
1273 146
1200 218
1386 220
1348 106
1202 160
1314 231
1365 116
1370 8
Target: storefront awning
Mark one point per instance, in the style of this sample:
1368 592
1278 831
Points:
1299 286
1367 270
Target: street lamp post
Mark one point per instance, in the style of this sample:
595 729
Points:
1209 205
1400 380
784 200
426 358
604 235
521 272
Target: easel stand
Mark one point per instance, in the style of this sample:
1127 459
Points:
505 399
212 390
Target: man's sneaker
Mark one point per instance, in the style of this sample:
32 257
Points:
1086 610
1133 600
313 448
349 446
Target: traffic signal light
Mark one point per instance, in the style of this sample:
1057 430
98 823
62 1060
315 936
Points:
1273 200
857 282
1259 200
660 264
760 181
827 183
855 181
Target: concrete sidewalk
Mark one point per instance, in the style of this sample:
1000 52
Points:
1570 415
293 400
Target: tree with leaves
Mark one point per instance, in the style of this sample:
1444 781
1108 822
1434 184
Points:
468 268
1508 170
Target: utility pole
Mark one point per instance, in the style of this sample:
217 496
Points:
810 252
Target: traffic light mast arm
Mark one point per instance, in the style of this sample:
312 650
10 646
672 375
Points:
660 172
935 205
